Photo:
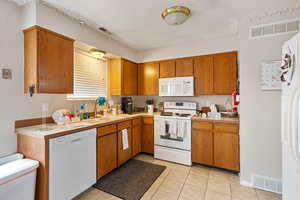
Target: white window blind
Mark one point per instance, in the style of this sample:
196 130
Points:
89 76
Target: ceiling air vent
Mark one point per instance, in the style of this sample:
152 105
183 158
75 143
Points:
279 28
104 30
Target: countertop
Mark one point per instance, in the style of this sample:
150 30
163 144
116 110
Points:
221 120
49 131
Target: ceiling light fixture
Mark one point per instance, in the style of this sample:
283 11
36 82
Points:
97 53
176 15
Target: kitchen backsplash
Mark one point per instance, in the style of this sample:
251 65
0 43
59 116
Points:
139 101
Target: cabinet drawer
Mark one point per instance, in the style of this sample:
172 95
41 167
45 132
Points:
105 130
124 125
202 125
148 120
222 127
136 122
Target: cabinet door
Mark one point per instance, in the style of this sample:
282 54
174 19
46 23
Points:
115 76
167 69
124 154
55 63
136 136
184 67
202 146
129 78
148 135
106 154
226 150
148 78
225 73
203 73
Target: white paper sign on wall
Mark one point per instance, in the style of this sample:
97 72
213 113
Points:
271 72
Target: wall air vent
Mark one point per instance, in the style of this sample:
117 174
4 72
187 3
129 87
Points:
278 28
266 183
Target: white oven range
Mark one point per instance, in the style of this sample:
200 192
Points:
172 132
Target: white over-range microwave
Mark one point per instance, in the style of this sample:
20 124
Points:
179 86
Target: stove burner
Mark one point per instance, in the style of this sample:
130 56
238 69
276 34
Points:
166 114
182 115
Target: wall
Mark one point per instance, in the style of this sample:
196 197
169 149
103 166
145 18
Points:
260 123
260 120
183 49
50 18
14 104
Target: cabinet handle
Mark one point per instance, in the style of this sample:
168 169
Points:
76 140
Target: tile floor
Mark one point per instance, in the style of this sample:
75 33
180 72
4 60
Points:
180 182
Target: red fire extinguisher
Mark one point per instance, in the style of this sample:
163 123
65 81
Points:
236 100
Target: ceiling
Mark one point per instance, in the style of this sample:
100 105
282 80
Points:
138 23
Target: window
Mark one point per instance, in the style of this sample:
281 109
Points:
89 76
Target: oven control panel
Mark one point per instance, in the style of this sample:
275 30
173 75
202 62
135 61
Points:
180 105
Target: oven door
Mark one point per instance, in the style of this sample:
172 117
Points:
173 133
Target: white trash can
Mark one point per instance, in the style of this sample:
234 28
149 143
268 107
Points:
17 178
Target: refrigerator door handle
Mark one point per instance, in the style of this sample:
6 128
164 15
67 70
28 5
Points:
294 126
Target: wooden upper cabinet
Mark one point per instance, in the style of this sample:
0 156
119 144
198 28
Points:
204 75
123 76
225 73
184 67
148 75
49 61
167 69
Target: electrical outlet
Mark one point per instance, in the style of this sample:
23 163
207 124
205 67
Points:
6 73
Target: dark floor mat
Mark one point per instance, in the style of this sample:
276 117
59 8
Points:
131 180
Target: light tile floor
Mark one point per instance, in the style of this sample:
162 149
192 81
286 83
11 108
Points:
180 182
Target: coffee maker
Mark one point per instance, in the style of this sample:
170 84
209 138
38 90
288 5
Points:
127 105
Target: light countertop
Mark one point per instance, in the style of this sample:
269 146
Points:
53 130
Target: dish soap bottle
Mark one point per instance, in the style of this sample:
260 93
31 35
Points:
81 112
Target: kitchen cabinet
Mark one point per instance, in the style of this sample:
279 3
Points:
204 75
202 143
136 136
148 135
167 69
124 154
106 150
148 75
225 73
184 67
123 77
48 61
216 144
226 147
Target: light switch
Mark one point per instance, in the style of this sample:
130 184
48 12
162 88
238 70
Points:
6 74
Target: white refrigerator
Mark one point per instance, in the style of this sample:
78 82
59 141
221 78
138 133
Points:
291 119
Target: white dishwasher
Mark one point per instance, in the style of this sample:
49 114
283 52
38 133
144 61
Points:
72 164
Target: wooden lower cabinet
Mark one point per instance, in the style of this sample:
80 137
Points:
226 150
148 135
136 136
202 147
216 144
124 154
106 154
